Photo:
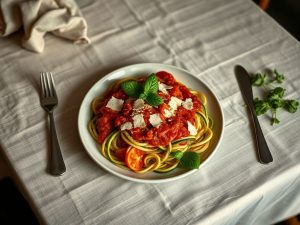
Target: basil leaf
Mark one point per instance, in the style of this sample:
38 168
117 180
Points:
154 99
151 84
132 88
143 96
190 160
177 155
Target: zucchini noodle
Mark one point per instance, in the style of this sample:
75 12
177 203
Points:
157 158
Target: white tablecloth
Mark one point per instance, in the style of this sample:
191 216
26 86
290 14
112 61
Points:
207 38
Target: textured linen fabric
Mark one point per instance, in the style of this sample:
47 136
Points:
37 17
207 38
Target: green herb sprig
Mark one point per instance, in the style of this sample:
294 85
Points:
187 160
261 79
146 91
273 100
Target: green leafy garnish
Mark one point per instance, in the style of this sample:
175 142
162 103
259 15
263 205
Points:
132 88
151 84
260 106
143 96
274 121
261 79
190 160
276 93
278 77
177 155
153 99
274 97
276 103
258 79
291 105
147 91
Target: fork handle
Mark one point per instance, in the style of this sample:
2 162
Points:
57 166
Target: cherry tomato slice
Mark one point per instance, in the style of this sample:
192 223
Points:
135 159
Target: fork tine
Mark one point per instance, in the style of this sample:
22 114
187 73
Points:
47 92
48 84
43 84
53 85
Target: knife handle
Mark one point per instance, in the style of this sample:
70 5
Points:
264 153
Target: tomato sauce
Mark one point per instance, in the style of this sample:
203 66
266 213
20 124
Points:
170 129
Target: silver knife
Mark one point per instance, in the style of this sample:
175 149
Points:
243 78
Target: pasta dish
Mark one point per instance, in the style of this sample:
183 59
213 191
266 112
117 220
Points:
151 123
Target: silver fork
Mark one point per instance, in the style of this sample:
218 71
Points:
49 101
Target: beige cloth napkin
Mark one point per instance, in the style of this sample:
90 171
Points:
37 17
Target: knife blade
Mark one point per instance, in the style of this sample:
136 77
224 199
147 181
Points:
243 78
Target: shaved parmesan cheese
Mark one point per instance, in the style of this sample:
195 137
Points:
187 104
115 103
138 121
139 103
163 88
139 106
192 129
167 113
174 103
126 126
155 120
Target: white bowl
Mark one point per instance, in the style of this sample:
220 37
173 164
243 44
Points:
100 87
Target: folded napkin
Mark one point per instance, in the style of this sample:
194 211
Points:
37 17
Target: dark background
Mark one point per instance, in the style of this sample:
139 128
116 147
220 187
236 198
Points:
287 14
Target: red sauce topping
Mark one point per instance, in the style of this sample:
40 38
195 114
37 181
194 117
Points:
170 129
